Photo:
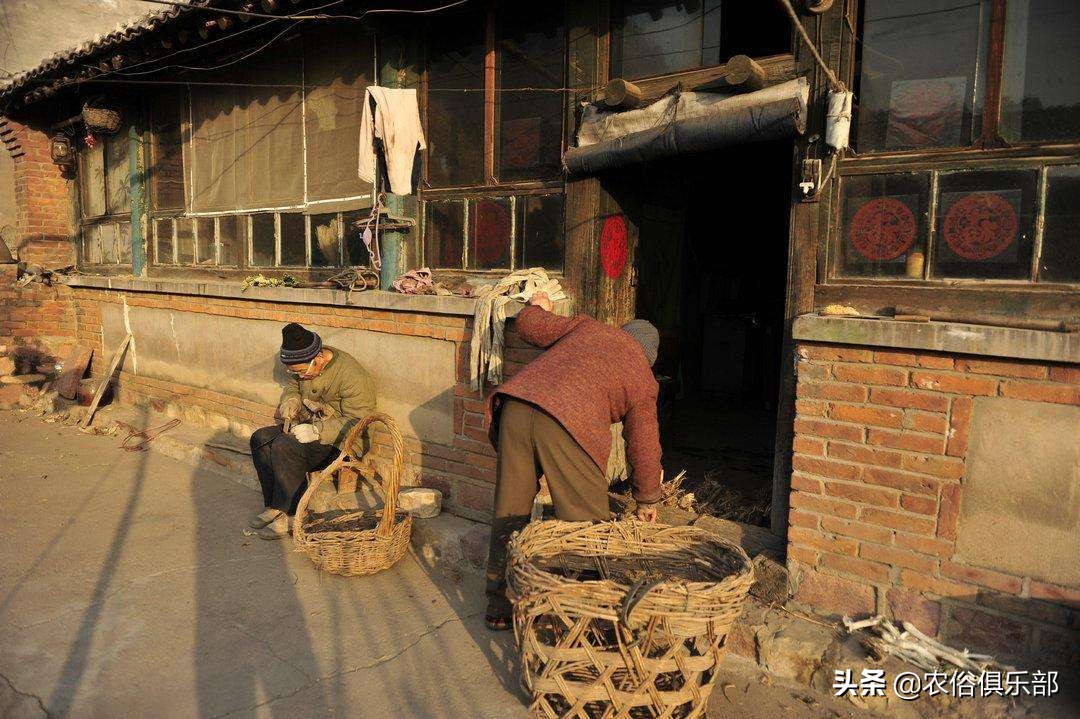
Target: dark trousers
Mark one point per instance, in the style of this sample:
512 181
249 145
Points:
283 463
532 443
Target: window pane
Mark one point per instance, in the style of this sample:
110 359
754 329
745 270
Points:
163 233
107 235
166 168
455 120
540 232
922 73
489 234
1060 261
650 38
92 241
262 240
185 241
232 236
884 226
123 243
92 180
325 240
293 245
444 230
205 240
985 224
531 50
356 254
117 173
1041 85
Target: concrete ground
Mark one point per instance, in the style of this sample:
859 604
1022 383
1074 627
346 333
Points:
128 588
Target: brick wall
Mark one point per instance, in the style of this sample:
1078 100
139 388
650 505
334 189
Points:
878 474
464 470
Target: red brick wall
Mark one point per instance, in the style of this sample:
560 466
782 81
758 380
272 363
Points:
463 470
878 474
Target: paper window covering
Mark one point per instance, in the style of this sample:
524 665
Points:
92 180
117 173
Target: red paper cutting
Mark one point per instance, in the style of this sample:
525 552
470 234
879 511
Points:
613 251
980 226
882 229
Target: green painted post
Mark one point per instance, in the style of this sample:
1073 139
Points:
138 203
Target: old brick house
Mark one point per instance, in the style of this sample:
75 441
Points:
885 338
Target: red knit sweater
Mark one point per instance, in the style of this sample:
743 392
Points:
591 376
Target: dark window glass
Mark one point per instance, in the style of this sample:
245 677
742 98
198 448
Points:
884 225
163 233
922 73
1060 260
325 240
185 241
293 245
489 233
166 166
262 240
1040 98
444 232
540 232
531 49
455 119
656 38
985 224
232 237
204 240
356 252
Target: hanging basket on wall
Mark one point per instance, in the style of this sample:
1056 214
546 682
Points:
100 119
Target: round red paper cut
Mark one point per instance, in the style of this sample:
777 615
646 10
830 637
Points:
492 233
882 229
613 251
980 226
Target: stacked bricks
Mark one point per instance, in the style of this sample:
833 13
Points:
463 470
879 447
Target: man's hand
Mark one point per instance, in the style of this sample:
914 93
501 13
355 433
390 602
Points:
646 513
290 408
305 433
541 300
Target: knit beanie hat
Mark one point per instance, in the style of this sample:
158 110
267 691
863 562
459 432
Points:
298 345
646 335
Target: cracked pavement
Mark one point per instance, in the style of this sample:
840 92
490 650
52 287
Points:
128 588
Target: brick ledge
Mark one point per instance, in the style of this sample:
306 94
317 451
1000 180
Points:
371 299
954 337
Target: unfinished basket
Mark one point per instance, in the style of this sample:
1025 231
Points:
100 119
353 542
622 619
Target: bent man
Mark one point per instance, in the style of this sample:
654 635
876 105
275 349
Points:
554 418
329 393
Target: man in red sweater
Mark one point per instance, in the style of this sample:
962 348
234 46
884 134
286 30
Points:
554 418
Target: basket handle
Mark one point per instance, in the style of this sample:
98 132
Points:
352 447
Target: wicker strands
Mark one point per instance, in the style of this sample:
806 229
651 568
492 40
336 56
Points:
100 119
622 619
356 542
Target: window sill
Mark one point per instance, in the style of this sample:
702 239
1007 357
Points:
371 299
953 337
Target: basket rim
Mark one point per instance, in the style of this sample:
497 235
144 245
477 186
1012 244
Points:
525 563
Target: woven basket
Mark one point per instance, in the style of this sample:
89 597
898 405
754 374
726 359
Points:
353 542
622 619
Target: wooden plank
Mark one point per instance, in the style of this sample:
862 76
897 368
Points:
778 68
991 135
582 257
755 540
75 365
105 382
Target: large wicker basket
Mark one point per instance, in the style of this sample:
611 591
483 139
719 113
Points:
354 542
622 619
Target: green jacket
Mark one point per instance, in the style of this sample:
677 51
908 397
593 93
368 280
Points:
344 385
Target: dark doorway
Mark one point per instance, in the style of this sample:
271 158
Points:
711 265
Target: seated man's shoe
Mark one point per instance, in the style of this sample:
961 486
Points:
264 518
277 528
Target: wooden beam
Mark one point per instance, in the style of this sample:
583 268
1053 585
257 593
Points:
620 94
742 74
778 68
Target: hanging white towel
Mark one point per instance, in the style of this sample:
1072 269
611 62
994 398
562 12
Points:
393 117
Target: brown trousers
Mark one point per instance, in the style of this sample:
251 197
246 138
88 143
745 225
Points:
532 443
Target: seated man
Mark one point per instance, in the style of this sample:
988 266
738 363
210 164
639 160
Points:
554 418
329 393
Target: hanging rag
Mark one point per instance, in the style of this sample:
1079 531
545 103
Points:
489 319
393 117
